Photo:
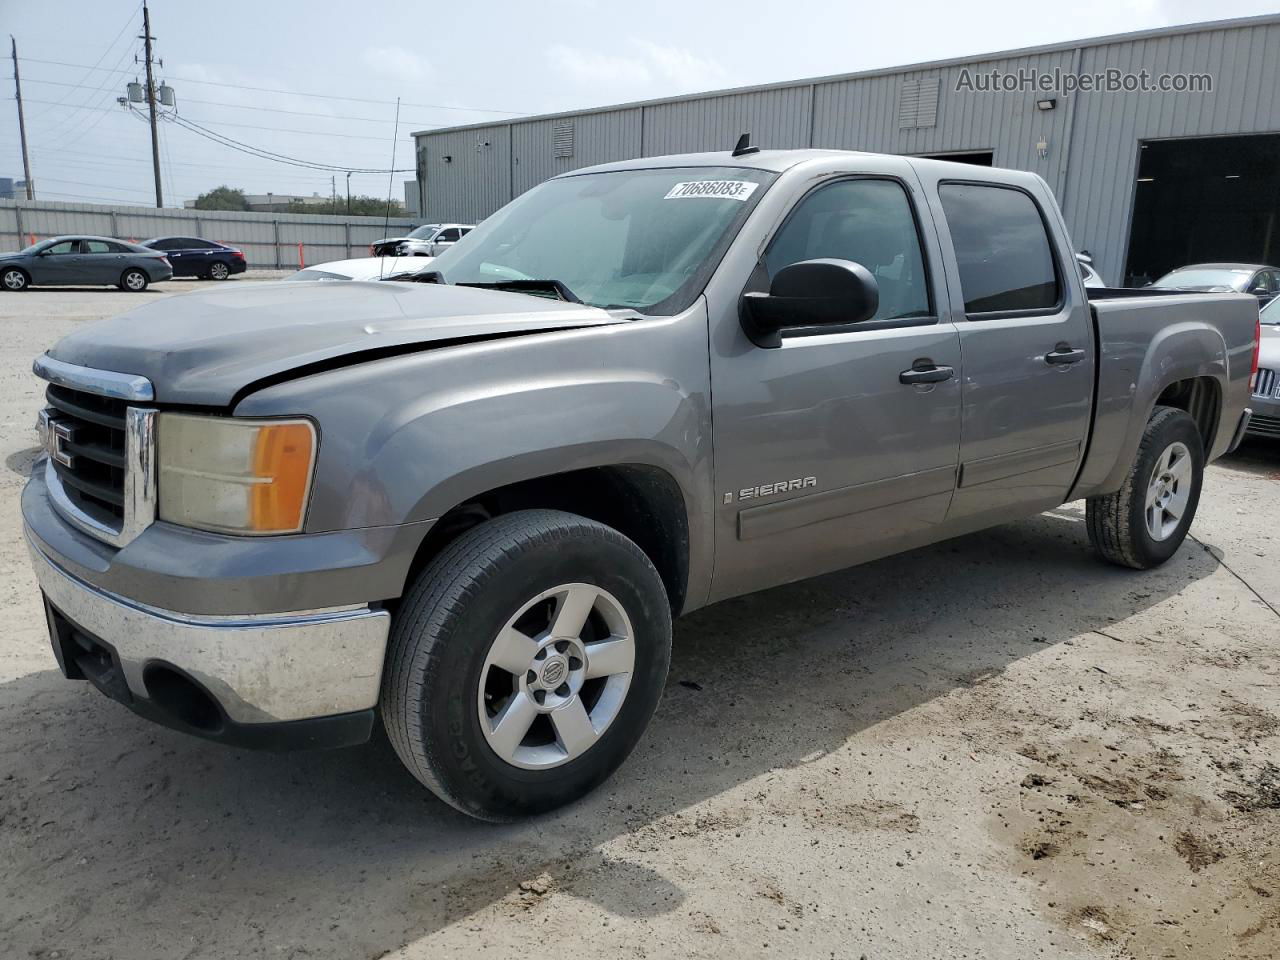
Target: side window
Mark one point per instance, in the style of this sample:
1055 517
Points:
63 248
1002 249
448 236
866 221
97 246
161 244
119 248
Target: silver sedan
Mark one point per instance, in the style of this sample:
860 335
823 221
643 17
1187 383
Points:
1265 401
84 260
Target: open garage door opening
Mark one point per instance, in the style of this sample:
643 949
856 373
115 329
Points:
979 158
1205 200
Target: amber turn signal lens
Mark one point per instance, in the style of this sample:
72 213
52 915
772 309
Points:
282 457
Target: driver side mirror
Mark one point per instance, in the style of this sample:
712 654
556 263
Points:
810 293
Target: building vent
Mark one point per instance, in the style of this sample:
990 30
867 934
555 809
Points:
562 139
918 103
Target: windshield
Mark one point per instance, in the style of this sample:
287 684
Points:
1271 312
424 231
1228 279
641 239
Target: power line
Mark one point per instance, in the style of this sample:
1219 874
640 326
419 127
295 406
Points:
246 126
270 155
298 93
244 106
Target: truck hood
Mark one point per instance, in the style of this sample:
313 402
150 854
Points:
205 348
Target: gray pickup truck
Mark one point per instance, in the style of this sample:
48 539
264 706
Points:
472 504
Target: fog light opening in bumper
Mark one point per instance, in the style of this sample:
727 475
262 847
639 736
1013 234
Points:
182 698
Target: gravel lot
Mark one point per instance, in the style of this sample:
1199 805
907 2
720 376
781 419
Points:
997 747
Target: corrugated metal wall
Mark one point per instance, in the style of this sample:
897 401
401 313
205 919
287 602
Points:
267 239
1092 139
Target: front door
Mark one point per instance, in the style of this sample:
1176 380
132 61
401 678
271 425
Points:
828 451
58 263
1029 355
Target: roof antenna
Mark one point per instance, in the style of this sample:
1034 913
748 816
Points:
744 146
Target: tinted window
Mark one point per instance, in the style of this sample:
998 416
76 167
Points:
97 246
868 222
1002 249
448 236
163 244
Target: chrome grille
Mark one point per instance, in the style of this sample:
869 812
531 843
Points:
100 471
89 451
1266 384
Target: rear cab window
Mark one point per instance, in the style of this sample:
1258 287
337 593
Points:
1003 251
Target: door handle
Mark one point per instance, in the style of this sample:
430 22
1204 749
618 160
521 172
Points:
923 371
1064 354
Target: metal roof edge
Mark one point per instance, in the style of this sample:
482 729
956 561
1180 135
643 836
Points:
1205 26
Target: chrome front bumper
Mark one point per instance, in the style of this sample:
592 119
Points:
260 669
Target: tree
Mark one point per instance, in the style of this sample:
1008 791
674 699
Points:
222 198
360 207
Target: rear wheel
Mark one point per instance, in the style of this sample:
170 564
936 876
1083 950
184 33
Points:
525 663
219 270
134 280
1143 523
13 279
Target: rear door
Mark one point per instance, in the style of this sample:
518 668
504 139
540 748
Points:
826 452
1027 339
100 261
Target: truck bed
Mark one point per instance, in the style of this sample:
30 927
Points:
1138 329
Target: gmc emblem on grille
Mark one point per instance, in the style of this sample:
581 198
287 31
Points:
55 435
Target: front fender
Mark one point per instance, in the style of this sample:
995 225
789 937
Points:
404 439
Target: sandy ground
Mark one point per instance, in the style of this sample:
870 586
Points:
993 748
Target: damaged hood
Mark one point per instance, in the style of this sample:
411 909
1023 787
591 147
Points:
204 348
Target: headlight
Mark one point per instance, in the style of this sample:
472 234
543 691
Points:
234 476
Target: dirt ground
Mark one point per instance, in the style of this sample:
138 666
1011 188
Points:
993 748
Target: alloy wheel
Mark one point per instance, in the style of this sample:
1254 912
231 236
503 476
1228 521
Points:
1168 491
556 676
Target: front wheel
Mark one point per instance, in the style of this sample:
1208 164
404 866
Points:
134 280
1143 523
525 663
13 280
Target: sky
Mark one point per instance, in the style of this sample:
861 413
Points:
317 82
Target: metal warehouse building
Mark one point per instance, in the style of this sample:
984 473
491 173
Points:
1147 180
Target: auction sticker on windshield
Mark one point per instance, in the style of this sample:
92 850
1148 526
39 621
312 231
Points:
716 189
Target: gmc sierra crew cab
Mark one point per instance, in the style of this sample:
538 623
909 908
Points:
472 504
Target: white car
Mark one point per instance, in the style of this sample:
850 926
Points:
363 268
433 239
1091 279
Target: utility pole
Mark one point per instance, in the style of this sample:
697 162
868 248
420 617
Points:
22 123
348 193
151 102
333 193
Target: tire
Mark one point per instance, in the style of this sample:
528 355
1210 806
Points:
444 687
219 270
14 280
1144 523
134 280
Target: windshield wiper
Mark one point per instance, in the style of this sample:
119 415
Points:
537 288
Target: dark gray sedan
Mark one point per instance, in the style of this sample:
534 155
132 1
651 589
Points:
87 260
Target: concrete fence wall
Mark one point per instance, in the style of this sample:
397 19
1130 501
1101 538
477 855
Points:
267 239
